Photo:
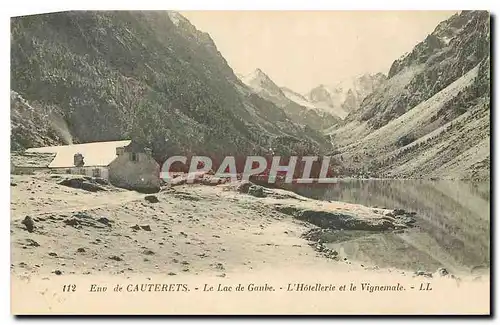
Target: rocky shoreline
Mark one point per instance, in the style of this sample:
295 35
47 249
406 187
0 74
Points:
183 228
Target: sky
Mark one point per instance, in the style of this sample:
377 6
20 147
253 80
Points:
303 49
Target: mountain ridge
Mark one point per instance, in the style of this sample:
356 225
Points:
419 123
347 95
300 111
145 75
100 76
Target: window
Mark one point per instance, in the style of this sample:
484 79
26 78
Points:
134 156
96 172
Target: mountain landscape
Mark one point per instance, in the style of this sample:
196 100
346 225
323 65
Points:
96 76
410 147
347 95
150 76
293 104
431 117
323 105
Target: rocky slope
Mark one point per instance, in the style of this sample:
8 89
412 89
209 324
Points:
145 75
32 126
431 118
295 106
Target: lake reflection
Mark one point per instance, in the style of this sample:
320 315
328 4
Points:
453 221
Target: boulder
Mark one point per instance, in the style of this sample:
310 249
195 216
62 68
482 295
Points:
105 221
257 191
151 198
244 187
101 181
336 220
399 212
72 222
33 243
212 180
91 187
28 223
82 183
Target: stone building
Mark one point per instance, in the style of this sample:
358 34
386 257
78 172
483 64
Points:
124 163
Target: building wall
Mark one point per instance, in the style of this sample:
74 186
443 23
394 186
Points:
135 171
27 170
100 171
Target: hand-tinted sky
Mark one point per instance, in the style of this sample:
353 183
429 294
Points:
302 49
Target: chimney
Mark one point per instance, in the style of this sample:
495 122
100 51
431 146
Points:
78 160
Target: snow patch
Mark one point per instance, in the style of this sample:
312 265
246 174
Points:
175 17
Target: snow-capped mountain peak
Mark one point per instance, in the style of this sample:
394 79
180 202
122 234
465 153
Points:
259 81
348 94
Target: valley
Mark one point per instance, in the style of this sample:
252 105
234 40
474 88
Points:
410 149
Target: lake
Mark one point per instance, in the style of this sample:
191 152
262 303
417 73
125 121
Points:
453 223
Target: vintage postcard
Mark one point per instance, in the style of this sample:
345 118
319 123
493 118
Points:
250 163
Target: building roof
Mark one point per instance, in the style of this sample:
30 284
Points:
33 160
94 153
